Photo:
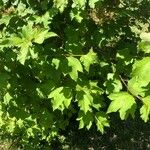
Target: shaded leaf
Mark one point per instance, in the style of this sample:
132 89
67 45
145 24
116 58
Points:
85 120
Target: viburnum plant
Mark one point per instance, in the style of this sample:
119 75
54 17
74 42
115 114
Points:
66 58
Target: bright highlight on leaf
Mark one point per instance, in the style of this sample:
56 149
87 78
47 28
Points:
122 102
61 98
140 77
84 101
145 109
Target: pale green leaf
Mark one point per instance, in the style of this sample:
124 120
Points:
23 53
145 36
84 100
145 109
79 4
15 41
61 97
141 70
60 4
92 3
76 15
28 32
144 46
5 19
42 35
121 102
136 86
140 77
7 98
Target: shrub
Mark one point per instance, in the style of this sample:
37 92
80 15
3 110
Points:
72 58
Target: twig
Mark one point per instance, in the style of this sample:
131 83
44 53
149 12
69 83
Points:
138 97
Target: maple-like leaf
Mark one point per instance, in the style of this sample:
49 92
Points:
61 98
122 102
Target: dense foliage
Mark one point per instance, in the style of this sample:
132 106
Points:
65 59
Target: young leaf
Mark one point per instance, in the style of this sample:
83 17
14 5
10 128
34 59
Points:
145 109
121 102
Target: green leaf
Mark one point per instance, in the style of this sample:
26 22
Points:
23 53
80 4
28 32
101 121
140 77
122 102
85 119
136 86
89 59
7 98
92 3
42 35
145 36
76 66
61 97
141 70
15 41
145 109
84 100
144 46
60 4
5 19
112 84
77 15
